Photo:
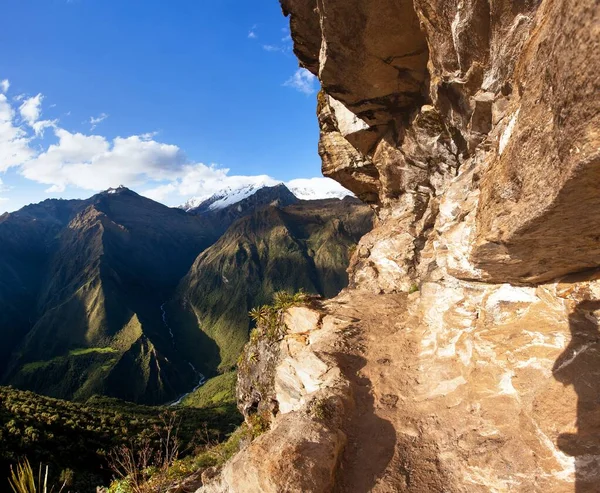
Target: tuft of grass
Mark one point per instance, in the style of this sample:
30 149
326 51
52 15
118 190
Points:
259 424
320 409
22 479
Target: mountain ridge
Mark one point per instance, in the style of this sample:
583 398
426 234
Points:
94 276
304 190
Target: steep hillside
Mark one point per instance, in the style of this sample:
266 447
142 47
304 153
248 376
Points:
26 240
95 306
302 246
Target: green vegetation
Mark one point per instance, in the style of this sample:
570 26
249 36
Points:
23 480
77 278
99 271
413 289
80 436
217 391
258 360
209 454
100 350
269 318
41 365
320 409
302 246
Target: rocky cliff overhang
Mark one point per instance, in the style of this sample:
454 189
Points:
413 91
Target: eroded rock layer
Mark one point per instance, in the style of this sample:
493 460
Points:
466 353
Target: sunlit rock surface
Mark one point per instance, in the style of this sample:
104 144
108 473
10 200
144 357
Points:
468 355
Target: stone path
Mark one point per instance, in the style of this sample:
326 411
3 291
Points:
385 452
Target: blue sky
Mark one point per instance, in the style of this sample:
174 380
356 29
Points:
174 99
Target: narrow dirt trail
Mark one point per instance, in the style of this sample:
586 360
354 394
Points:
378 355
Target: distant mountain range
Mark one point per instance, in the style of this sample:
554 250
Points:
122 296
303 189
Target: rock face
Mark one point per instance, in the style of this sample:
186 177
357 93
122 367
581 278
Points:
506 86
473 129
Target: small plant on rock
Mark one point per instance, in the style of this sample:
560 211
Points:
320 409
269 318
259 424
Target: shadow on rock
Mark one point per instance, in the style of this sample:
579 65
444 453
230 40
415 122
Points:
579 365
371 439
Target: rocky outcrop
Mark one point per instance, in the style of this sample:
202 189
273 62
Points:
472 127
296 384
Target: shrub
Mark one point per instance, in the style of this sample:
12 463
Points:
144 467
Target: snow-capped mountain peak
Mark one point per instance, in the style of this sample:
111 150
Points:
227 196
317 188
303 189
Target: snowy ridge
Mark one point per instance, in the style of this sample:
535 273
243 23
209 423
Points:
317 189
302 188
231 196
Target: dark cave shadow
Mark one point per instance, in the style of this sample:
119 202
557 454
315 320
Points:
579 365
371 440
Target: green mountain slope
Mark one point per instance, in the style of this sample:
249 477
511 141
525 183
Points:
302 246
26 239
97 320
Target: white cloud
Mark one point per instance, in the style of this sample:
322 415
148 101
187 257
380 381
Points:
272 48
252 35
303 81
160 193
31 109
40 126
3 189
284 46
287 36
94 122
14 142
4 85
92 162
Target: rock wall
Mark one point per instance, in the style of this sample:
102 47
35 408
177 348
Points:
473 129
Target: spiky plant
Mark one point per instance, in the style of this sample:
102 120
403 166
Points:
23 480
269 318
